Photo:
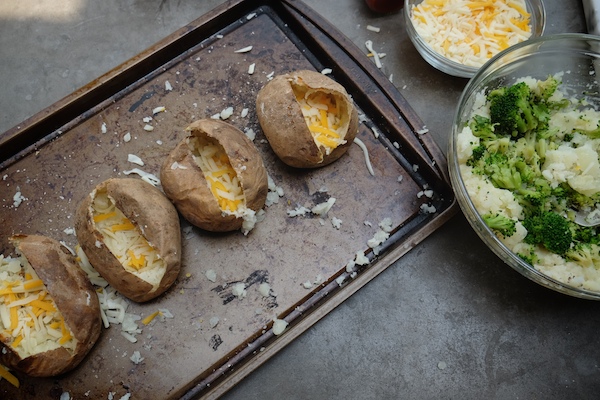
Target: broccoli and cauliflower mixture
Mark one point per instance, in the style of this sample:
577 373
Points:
529 160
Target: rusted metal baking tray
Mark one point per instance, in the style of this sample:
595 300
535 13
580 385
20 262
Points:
56 157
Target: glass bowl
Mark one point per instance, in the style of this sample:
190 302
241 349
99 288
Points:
578 56
538 23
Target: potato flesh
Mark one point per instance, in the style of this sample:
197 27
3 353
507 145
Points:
30 322
220 176
323 116
125 242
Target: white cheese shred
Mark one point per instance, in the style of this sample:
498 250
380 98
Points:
369 46
244 49
366 153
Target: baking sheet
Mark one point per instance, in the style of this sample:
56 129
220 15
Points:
55 158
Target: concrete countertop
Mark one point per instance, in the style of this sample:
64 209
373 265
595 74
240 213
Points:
448 321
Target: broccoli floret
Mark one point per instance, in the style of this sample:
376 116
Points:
502 171
550 230
579 201
478 153
511 112
585 254
547 88
500 223
482 127
591 133
516 110
528 255
586 234
535 196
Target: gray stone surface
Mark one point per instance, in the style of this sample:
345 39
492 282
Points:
447 321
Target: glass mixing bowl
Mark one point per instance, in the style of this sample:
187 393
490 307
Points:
578 56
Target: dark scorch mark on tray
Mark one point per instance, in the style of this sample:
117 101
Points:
215 342
138 103
257 277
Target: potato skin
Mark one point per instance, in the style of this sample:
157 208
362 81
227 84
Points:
75 298
284 126
157 219
187 187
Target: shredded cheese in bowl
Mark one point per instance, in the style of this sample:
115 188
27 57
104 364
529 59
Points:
30 322
323 115
125 241
470 32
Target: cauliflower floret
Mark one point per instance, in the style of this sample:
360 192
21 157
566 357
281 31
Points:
516 239
578 167
465 144
487 198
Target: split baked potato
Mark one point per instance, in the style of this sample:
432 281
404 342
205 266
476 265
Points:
216 177
308 118
131 235
49 312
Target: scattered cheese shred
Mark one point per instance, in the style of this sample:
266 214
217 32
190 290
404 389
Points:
471 32
150 317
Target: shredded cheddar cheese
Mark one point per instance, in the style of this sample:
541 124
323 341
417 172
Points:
220 175
322 115
125 241
471 32
8 376
151 317
28 316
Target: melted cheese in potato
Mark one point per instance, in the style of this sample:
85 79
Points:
470 32
323 116
30 322
220 175
125 241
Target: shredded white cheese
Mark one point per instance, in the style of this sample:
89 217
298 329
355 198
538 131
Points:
18 198
132 158
244 49
211 275
279 326
376 58
264 289
363 147
226 113
239 290
146 176
158 110
136 357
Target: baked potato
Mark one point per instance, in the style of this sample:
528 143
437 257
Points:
49 311
216 177
307 117
131 235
